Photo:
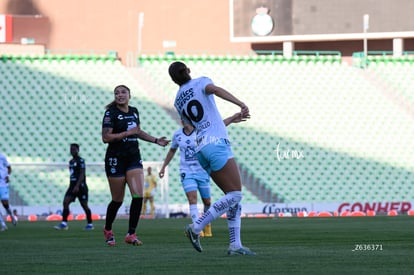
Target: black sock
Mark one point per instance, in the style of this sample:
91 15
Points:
9 211
111 212
134 213
65 214
88 213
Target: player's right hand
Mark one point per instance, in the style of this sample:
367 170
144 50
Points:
161 174
245 111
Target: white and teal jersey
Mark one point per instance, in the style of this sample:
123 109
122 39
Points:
3 170
199 108
188 158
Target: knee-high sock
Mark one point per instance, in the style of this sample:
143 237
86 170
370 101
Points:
206 207
217 209
2 220
8 210
193 212
144 208
234 225
65 214
134 214
111 212
152 207
88 213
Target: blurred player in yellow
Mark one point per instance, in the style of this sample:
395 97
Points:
149 191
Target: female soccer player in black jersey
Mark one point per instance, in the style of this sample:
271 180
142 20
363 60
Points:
123 164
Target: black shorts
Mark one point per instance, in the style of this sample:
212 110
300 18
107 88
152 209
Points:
117 166
82 194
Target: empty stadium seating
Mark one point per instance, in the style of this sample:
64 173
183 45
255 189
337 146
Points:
54 101
321 131
356 142
49 102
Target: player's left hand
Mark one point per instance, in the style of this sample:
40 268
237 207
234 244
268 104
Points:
245 111
163 141
239 117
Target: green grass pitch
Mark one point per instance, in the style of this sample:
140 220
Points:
385 245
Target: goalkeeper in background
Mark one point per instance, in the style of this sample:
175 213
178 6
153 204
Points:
150 184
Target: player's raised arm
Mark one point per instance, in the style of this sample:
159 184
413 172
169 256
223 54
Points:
236 118
224 94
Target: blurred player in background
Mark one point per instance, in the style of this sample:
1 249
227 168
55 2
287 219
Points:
121 129
77 189
2 223
195 103
150 186
5 171
193 176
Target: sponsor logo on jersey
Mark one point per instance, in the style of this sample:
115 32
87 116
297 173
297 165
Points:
184 97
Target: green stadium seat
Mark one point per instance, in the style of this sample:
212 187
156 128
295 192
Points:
309 103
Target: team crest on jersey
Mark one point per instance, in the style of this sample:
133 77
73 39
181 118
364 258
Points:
190 153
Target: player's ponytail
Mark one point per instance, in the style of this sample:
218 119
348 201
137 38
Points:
110 105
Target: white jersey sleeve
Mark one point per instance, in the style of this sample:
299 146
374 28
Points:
188 157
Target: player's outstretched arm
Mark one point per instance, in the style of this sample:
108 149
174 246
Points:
167 160
236 118
162 141
224 94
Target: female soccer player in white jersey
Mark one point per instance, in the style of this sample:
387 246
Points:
193 175
196 105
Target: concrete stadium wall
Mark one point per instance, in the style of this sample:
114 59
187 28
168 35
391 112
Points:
197 27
